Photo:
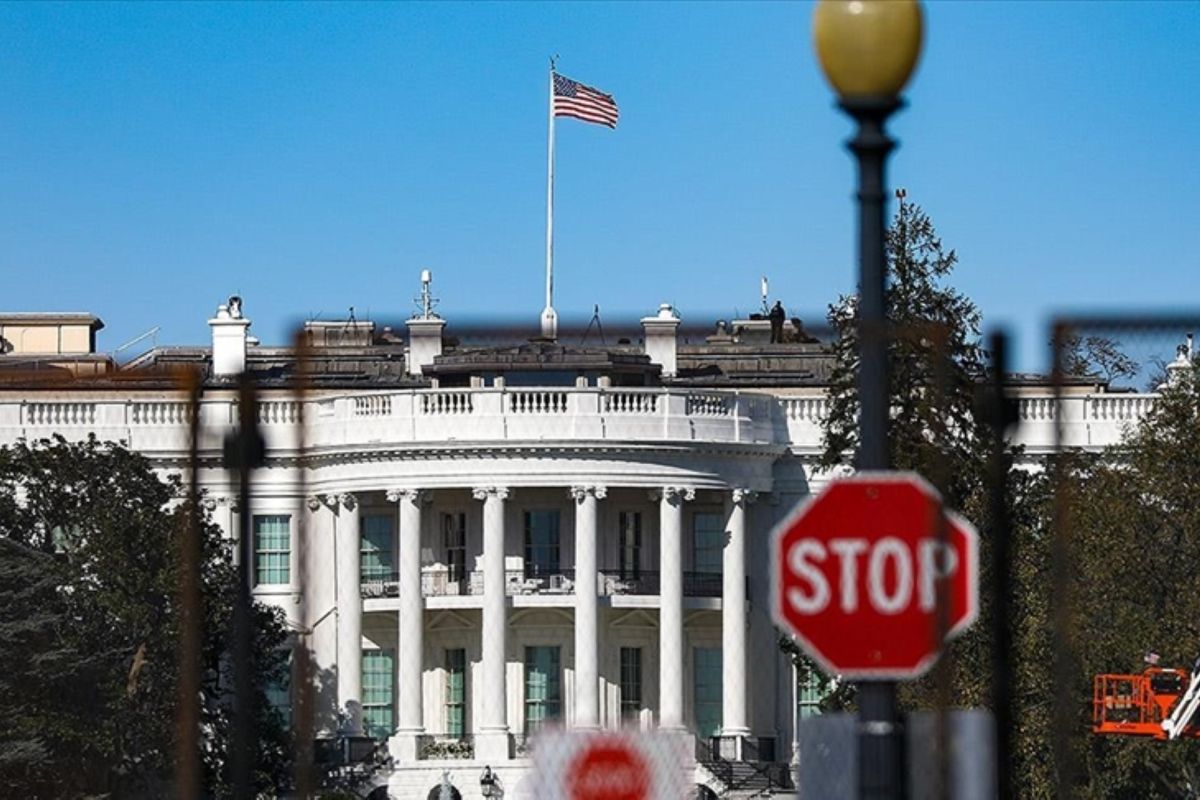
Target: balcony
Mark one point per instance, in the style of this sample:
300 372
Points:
487 415
415 416
438 582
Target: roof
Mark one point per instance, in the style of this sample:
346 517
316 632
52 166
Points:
50 318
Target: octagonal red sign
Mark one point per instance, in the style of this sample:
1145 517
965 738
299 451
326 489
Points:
859 570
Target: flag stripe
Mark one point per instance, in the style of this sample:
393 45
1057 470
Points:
573 99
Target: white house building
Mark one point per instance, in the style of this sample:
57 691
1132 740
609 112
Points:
480 541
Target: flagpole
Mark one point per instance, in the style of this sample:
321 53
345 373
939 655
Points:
549 317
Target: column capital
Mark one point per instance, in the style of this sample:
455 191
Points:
314 502
674 494
410 494
578 493
484 492
743 497
209 503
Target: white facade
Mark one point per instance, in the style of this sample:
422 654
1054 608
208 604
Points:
466 563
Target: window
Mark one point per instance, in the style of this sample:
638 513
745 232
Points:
707 694
376 557
279 697
456 692
543 687
630 523
272 549
708 541
810 695
454 538
541 543
631 684
378 708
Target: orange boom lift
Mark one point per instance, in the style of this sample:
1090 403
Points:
1159 703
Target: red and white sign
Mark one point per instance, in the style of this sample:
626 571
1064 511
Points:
580 765
856 573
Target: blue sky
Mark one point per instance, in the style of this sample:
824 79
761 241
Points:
158 157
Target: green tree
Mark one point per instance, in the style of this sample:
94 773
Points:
1135 526
90 626
937 368
1096 356
935 364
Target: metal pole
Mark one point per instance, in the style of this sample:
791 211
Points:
881 772
191 644
549 318
244 452
1002 415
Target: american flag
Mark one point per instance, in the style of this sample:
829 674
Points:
573 99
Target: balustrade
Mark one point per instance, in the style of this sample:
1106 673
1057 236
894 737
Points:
492 414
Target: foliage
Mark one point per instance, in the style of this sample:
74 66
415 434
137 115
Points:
934 358
936 367
1136 530
1086 356
90 626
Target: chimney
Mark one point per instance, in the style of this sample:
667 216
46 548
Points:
659 332
229 339
424 329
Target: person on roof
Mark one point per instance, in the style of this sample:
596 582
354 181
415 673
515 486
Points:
777 316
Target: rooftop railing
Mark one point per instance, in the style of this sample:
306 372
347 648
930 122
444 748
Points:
483 415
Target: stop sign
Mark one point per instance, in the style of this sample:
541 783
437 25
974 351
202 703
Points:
609 768
857 572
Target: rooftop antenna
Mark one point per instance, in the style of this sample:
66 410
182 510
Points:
425 301
762 286
595 321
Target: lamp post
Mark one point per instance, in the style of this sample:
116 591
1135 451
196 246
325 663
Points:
868 49
488 784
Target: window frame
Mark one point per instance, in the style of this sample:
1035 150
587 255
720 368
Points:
258 535
550 705
534 567
376 572
713 708
714 564
629 551
371 707
630 682
454 526
455 711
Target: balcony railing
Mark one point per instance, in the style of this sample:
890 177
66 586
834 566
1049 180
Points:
413 416
695 584
431 746
380 584
642 581
529 581
442 583
1088 420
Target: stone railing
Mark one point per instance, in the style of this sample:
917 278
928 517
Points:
527 414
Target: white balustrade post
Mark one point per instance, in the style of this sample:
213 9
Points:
349 611
411 630
733 618
587 668
670 630
491 744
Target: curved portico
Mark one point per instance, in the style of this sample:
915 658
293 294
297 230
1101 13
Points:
623 558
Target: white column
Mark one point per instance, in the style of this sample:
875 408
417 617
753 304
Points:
587 667
733 618
349 611
670 614
492 741
411 640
